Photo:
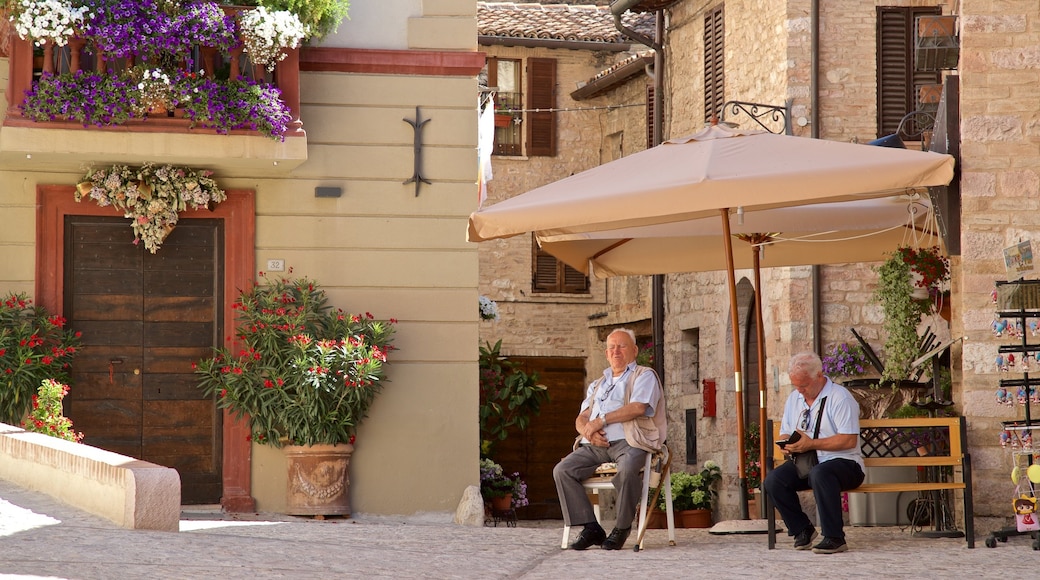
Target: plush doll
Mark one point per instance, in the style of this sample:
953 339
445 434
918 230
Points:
1025 512
999 327
1003 398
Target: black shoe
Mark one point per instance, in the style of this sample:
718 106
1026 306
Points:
593 536
803 541
830 546
616 539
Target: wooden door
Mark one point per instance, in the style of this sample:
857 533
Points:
145 319
535 451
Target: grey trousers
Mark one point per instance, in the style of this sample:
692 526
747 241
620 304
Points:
582 463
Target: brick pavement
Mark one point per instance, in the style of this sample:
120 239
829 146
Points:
40 537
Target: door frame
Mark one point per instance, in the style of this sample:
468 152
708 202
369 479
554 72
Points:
54 202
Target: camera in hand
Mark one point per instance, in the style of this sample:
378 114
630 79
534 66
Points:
794 437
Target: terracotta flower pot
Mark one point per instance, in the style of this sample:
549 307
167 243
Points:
693 519
502 504
319 480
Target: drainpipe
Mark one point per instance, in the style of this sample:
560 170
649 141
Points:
814 70
618 8
814 128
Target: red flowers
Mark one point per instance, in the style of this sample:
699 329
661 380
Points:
301 364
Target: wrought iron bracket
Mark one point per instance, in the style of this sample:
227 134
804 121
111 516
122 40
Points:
417 177
759 112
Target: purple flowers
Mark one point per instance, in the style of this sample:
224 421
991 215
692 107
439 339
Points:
845 360
147 29
95 99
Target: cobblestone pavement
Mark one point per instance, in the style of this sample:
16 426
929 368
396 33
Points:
41 538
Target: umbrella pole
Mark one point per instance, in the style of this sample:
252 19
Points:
763 393
737 380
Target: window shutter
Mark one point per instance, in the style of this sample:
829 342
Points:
552 275
545 268
574 282
714 61
897 79
541 92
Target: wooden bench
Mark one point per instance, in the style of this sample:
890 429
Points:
895 443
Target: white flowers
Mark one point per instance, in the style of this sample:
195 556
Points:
44 20
488 309
156 92
265 34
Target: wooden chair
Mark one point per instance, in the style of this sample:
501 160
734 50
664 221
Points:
656 474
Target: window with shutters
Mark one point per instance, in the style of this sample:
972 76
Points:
898 82
525 123
552 275
714 59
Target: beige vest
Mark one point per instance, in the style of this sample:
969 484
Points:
646 433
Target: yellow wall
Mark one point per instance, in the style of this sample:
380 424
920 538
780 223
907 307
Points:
378 248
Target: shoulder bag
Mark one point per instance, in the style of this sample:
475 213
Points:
804 462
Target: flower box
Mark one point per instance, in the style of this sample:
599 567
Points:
219 38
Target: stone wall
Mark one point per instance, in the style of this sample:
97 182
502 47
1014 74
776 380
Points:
1000 128
588 134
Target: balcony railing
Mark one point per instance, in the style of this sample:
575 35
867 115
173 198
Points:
25 70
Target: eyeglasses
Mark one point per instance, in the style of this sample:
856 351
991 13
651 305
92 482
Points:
803 424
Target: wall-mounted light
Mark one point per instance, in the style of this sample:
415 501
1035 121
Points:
328 192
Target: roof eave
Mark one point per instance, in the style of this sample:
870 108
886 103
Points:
554 43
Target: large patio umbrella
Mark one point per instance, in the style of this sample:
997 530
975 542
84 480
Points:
696 177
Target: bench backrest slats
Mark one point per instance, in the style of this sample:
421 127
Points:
894 442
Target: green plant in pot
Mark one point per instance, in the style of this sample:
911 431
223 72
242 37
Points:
694 491
495 484
509 397
902 311
305 373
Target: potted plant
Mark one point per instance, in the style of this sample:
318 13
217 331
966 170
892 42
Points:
305 375
321 17
694 495
47 415
508 397
266 35
152 196
902 310
501 492
844 360
488 308
34 346
752 462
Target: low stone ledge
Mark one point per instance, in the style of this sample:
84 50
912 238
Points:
132 493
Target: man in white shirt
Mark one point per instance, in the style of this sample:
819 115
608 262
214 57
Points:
620 421
817 401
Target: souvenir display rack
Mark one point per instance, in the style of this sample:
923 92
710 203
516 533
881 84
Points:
1018 314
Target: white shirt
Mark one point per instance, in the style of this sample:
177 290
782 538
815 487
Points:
840 416
611 397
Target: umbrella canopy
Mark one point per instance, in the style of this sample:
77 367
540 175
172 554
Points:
823 233
720 167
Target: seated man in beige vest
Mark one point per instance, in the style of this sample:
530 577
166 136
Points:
621 419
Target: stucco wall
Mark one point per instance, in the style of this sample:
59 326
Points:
379 248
